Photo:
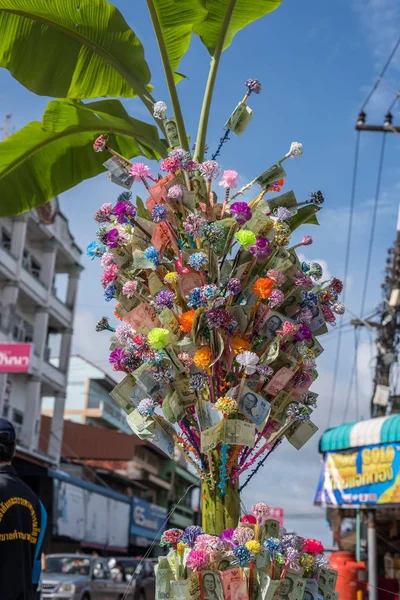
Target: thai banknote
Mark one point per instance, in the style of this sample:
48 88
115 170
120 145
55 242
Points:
163 583
122 394
269 588
119 172
254 407
239 119
234 585
212 587
207 415
170 322
163 437
143 427
177 407
239 433
181 385
271 175
211 437
327 580
279 381
300 432
270 529
331 595
312 589
288 200
232 432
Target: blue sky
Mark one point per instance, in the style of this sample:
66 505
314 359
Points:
316 61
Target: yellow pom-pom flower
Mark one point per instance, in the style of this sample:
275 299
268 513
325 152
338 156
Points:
253 546
172 277
245 238
181 548
203 357
226 405
158 338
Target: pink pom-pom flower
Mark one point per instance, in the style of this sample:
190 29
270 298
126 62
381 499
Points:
171 537
277 276
110 274
287 329
99 144
140 170
129 288
197 560
261 512
229 179
306 241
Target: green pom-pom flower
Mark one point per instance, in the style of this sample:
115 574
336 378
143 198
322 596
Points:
158 338
245 238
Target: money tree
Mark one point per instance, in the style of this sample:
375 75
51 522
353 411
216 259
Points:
216 321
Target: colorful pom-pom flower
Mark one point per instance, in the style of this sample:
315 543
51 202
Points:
203 357
263 287
158 338
245 238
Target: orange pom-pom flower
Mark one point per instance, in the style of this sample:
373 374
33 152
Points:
186 320
240 345
203 357
263 287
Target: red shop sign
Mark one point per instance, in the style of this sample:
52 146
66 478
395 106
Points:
15 358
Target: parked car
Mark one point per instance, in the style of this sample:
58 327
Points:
78 577
136 573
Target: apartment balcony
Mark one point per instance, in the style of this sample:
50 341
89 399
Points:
60 311
8 264
32 286
53 376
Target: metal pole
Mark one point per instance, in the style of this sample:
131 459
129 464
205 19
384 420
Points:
358 535
372 566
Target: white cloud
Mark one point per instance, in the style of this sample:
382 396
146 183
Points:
381 21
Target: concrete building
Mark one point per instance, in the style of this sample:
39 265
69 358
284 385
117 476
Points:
38 260
88 399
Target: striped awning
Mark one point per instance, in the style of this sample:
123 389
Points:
381 430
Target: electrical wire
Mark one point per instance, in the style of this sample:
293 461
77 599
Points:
382 73
357 402
346 269
373 224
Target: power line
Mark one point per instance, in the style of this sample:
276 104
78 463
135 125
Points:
346 268
374 215
382 73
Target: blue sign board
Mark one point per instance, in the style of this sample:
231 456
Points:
148 520
369 475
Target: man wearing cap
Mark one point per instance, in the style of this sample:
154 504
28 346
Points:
22 526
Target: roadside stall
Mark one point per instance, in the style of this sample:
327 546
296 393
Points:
360 487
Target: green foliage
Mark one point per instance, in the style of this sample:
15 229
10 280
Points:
55 49
43 160
179 19
307 214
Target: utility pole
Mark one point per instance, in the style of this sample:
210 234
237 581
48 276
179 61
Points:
388 327
5 129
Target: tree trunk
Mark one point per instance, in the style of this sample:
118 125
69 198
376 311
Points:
220 513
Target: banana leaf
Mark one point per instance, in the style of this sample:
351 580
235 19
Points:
72 48
45 159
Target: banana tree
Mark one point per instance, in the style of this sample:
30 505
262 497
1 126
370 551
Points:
84 49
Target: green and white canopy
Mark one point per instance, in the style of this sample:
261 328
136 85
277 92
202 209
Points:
381 430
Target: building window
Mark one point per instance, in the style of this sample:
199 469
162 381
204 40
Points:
143 454
17 417
5 239
22 331
32 265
